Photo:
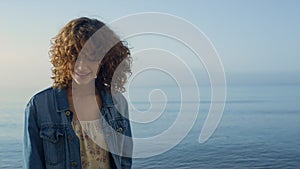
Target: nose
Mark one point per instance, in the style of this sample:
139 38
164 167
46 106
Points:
79 64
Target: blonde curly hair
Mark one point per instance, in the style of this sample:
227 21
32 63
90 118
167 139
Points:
65 48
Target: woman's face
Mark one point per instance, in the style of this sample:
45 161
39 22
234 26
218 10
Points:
85 68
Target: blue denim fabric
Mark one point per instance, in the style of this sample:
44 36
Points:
50 141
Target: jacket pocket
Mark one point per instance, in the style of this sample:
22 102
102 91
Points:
53 142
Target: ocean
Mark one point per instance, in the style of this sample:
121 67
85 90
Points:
260 128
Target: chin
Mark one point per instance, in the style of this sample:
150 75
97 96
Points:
83 81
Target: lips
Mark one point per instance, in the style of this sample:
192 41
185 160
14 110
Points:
82 74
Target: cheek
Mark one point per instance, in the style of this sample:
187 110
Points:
95 68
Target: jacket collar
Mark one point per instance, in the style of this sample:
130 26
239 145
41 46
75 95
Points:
62 103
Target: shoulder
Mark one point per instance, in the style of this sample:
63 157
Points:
110 97
119 98
37 99
121 103
42 94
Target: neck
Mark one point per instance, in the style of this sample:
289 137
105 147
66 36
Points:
84 90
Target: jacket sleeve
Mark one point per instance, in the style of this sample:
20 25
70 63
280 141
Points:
33 145
126 136
128 142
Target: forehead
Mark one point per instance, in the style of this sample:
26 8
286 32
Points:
100 42
89 48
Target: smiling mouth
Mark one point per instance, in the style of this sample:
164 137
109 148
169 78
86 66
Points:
82 75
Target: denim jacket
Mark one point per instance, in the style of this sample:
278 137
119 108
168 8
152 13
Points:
50 141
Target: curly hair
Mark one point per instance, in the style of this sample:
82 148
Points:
65 48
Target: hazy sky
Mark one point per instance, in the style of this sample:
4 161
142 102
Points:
249 35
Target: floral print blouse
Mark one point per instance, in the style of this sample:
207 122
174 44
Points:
93 148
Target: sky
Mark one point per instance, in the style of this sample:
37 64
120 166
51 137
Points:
250 36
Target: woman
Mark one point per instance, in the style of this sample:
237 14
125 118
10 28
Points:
82 120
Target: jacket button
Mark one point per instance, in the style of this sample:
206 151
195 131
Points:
120 129
74 164
68 113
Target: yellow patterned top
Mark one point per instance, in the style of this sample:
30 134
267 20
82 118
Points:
92 144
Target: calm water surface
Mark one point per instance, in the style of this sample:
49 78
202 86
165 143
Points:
260 128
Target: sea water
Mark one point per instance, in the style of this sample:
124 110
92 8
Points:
260 128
